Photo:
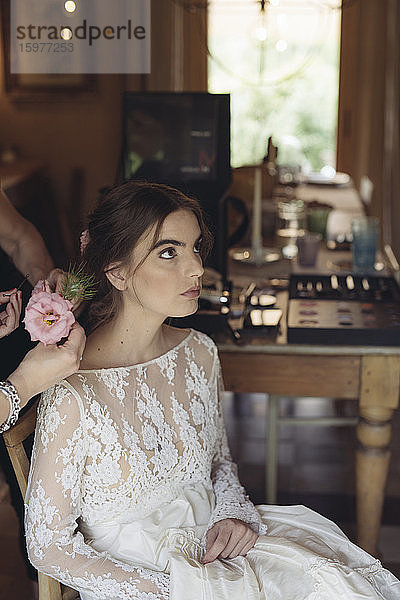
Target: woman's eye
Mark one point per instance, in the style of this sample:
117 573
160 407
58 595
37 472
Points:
197 247
168 253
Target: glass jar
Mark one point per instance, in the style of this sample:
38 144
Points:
290 225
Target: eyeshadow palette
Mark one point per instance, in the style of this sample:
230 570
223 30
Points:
260 312
349 309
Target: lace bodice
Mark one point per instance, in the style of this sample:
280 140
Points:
120 442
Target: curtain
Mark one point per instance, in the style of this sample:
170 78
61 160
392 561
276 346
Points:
391 153
368 123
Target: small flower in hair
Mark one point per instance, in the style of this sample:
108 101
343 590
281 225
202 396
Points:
84 240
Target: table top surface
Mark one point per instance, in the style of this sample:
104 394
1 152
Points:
274 341
347 204
257 346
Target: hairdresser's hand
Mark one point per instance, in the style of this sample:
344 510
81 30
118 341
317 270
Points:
44 366
9 318
229 538
56 279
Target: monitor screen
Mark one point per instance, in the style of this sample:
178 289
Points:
177 138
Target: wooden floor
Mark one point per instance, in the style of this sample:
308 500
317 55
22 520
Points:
316 468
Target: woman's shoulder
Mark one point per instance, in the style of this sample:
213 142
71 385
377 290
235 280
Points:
203 351
67 391
192 337
60 401
205 342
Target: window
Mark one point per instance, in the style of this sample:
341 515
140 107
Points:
279 59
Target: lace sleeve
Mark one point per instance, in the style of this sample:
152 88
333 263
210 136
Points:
231 498
55 544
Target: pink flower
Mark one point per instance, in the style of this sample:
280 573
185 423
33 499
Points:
48 317
84 240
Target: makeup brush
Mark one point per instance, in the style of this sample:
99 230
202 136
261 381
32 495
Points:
20 285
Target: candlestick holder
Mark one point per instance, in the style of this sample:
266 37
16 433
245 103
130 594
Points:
256 254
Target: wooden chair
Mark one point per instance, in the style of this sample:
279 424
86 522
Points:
49 588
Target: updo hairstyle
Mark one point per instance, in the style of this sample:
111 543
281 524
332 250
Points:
123 214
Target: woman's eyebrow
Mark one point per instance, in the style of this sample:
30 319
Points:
163 242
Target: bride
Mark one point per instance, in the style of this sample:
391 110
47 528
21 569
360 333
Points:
132 491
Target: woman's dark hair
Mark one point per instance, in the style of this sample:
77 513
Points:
123 214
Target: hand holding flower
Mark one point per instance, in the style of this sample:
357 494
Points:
45 365
48 315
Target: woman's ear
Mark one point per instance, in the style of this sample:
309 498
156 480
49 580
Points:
116 275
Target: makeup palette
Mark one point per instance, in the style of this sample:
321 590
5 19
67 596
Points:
260 312
345 309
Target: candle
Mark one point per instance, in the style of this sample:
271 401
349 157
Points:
257 215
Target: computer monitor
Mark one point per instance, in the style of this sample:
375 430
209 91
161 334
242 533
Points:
177 137
182 139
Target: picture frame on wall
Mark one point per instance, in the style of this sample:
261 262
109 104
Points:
41 86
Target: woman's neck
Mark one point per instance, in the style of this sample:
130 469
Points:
126 340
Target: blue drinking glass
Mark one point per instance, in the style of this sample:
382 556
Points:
365 242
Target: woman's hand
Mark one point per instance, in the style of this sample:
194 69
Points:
43 366
9 318
227 539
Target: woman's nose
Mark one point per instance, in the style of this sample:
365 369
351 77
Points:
195 267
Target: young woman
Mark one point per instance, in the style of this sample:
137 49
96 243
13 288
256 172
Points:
132 492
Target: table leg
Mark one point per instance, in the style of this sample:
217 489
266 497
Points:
372 465
379 395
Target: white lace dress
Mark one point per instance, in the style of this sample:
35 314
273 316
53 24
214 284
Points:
131 467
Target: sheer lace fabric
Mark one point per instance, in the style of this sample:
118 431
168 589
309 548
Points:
115 444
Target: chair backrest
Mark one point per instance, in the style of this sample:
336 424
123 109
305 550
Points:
14 438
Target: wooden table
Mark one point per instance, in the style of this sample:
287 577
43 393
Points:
372 375
369 374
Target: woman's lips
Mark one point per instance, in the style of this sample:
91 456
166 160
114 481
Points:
192 293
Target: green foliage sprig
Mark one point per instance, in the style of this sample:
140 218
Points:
77 284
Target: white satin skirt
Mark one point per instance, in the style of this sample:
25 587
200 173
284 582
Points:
303 556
